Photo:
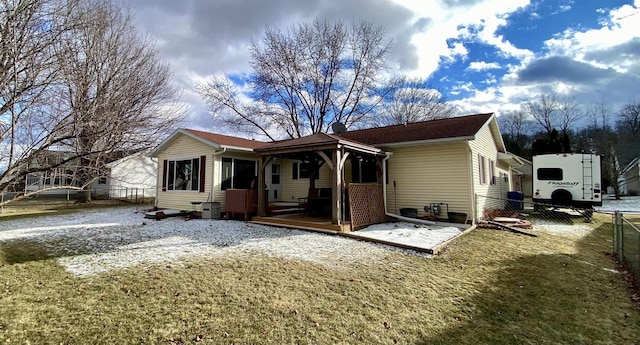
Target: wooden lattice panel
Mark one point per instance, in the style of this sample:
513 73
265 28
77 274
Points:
366 204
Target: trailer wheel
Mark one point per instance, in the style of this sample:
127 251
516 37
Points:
561 197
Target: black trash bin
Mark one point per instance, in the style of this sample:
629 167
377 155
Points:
515 199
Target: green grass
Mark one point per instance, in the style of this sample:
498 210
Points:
488 287
49 206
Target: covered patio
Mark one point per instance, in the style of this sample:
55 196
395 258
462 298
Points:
336 208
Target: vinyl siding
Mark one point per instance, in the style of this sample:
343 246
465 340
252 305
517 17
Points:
294 189
136 172
489 196
633 180
437 173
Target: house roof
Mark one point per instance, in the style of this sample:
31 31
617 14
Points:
318 141
455 128
226 140
217 141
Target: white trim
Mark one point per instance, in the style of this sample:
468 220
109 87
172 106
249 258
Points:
428 141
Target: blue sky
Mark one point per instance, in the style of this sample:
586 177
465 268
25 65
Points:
486 55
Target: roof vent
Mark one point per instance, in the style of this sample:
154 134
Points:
338 128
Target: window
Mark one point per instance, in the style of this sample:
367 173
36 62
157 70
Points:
238 173
549 174
364 170
482 165
303 170
102 180
183 174
275 173
492 169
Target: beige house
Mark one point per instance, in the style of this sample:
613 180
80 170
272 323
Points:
445 162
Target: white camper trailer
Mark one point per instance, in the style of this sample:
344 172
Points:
567 179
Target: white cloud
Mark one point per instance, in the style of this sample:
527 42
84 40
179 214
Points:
451 23
620 27
480 66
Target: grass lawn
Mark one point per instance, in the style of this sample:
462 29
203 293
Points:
489 287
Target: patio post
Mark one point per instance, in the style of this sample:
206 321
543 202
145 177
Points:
262 209
336 197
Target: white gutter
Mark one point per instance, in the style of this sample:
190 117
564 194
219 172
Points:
428 141
384 197
213 171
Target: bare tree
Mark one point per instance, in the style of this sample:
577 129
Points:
410 100
517 124
304 79
110 96
553 112
114 88
599 114
543 111
629 119
29 32
569 112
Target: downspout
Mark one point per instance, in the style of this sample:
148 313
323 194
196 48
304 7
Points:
213 171
384 197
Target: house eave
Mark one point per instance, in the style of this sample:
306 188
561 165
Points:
510 159
237 148
427 142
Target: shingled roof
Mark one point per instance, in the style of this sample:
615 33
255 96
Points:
226 140
450 128
317 141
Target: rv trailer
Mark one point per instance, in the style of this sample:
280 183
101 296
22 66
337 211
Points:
567 179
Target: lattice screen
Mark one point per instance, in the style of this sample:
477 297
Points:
366 204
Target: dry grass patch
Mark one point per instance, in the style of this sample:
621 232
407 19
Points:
488 287
49 206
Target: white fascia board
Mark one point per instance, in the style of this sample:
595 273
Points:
427 142
236 148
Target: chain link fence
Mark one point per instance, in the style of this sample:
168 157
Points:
67 198
489 208
626 241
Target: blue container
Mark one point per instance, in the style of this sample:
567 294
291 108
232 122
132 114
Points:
514 201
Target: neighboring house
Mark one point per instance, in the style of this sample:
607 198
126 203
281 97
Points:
447 161
133 175
60 176
196 166
630 178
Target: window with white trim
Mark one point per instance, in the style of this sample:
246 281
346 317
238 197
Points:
482 167
183 174
238 173
492 169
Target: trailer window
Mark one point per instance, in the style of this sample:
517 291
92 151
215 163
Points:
550 174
